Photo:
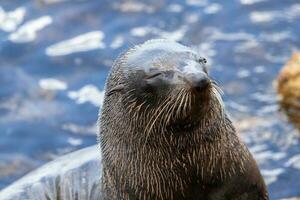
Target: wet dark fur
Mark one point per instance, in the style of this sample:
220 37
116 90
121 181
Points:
204 160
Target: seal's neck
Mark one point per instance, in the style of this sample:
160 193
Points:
140 165
152 130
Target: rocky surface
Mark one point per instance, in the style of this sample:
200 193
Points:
288 87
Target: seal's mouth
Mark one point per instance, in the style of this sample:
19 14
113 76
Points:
183 126
196 103
187 109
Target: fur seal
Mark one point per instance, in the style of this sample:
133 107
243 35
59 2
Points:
164 132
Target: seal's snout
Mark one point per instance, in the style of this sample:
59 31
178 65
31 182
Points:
198 82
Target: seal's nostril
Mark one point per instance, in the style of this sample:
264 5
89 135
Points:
199 82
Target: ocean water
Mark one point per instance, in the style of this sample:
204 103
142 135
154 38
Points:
55 56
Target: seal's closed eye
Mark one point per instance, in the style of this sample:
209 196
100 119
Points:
153 75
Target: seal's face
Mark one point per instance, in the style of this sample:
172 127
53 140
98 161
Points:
168 65
168 81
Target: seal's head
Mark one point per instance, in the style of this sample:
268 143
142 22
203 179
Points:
165 83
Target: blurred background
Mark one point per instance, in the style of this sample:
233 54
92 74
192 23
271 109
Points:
55 56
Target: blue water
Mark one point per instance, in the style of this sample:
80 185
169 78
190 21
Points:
55 55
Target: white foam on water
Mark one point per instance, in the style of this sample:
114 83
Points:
263 156
87 94
216 34
273 172
192 17
287 14
269 109
264 97
293 11
9 21
175 35
238 107
277 58
293 162
196 2
247 46
271 175
259 69
177 8
275 36
53 1
74 141
31 110
258 148
213 8
250 2
134 6
140 31
243 73
80 129
28 31
207 50
85 42
263 16
117 42
290 198
52 84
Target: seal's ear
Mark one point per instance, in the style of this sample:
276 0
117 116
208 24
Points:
115 89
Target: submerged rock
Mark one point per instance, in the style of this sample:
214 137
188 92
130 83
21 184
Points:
70 177
288 88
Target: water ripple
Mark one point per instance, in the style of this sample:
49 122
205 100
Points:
85 42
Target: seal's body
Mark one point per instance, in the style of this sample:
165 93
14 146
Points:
164 133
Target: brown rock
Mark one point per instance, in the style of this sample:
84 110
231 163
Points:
288 88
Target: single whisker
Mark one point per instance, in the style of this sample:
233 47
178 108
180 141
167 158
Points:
128 99
216 85
155 112
137 111
218 97
129 91
190 101
157 116
138 108
186 97
169 114
173 107
132 106
180 104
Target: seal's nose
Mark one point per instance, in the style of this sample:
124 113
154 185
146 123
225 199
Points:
199 81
